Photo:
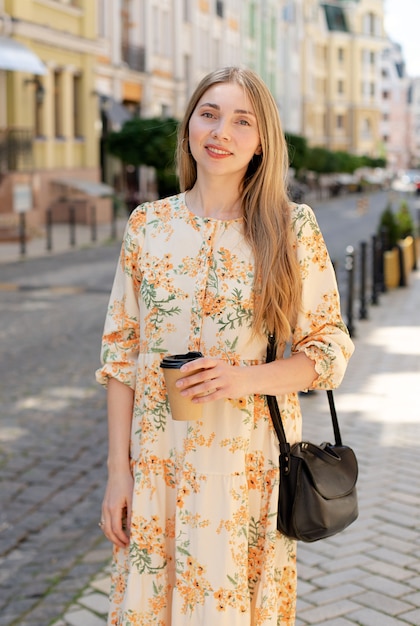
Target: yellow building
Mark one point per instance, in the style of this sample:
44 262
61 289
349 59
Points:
341 74
49 126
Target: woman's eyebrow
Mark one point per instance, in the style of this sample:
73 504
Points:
211 105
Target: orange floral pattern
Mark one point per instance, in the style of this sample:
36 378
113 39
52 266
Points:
204 548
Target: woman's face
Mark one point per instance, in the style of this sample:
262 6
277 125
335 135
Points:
223 131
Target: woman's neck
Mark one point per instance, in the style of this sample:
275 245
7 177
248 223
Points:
217 203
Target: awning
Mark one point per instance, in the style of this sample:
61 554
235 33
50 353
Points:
14 56
86 186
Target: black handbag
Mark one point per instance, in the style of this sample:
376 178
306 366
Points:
317 491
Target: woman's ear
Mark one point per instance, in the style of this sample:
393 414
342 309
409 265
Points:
258 150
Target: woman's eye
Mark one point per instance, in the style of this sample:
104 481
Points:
244 123
207 114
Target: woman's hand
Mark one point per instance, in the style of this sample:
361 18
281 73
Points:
208 379
116 508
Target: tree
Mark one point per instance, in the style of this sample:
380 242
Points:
152 142
298 149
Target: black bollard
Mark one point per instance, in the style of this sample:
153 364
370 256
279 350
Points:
349 266
375 270
72 224
48 226
383 247
22 232
114 220
93 230
403 277
363 313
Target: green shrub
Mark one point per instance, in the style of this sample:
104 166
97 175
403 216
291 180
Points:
404 221
388 228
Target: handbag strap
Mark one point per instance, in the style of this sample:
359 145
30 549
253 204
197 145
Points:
275 411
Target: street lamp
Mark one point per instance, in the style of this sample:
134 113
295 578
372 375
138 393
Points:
39 89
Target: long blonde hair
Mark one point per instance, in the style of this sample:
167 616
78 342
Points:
265 204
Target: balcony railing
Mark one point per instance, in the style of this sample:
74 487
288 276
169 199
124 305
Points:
16 149
135 57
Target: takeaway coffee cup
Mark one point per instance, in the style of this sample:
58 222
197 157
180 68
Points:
181 408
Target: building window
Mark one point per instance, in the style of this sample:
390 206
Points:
252 20
58 104
340 122
101 19
336 18
273 33
372 90
340 54
155 22
77 106
370 24
219 8
340 87
187 13
366 129
372 58
166 31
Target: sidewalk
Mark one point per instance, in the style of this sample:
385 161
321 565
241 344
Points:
61 240
370 574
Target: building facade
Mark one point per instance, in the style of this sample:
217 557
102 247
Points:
395 125
98 63
341 74
414 123
50 119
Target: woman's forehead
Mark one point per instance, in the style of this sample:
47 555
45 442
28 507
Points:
227 94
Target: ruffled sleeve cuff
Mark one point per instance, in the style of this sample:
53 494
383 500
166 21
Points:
120 371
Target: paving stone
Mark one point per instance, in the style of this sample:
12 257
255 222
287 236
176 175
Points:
386 604
103 584
393 556
325 596
96 602
319 614
385 586
83 617
412 617
390 571
369 617
338 578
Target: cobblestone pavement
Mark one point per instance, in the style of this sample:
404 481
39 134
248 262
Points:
54 563
52 432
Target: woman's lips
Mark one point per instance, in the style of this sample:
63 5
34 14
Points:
218 152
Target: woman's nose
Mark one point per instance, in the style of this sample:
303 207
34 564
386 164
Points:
220 130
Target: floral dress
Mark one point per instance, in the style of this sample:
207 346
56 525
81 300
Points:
204 549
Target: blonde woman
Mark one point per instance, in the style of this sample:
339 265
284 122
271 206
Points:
190 506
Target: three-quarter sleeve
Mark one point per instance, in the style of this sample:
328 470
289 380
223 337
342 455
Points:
120 341
319 331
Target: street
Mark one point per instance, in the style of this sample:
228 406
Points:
53 431
53 419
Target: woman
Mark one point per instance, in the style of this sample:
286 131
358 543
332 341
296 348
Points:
191 506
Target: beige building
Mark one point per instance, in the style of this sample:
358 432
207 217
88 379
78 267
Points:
341 74
49 119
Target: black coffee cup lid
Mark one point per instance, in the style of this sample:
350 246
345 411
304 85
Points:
175 361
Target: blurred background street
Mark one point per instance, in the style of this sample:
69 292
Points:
91 93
